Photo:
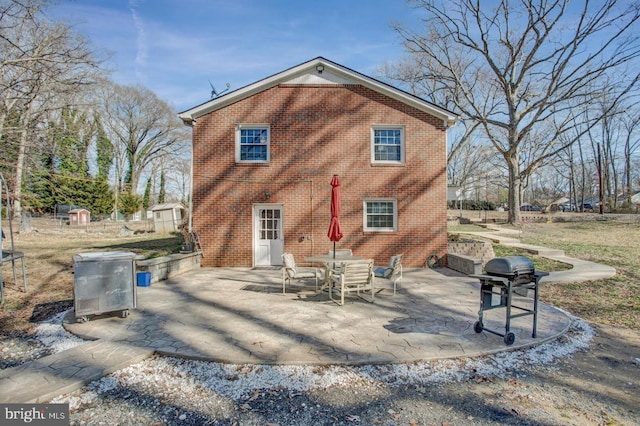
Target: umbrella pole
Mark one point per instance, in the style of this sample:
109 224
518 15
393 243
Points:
334 256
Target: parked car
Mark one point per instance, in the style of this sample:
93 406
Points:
567 207
529 208
586 207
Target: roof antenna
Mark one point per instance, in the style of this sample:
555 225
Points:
214 93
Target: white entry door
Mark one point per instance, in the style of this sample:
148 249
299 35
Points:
268 239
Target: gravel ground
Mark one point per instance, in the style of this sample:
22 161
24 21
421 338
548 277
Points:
551 384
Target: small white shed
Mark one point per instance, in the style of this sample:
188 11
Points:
635 200
167 217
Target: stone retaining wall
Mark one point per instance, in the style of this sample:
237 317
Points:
480 249
465 264
469 256
162 268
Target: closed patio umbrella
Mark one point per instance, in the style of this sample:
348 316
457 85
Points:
335 230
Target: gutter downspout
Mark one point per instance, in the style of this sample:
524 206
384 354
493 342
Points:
188 121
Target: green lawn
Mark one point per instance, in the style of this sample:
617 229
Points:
614 301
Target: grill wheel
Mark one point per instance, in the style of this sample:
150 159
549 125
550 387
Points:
509 338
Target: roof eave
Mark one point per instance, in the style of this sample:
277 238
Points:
191 115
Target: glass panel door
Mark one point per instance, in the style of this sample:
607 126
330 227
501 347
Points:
269 240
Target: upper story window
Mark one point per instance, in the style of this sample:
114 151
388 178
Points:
387 144
381 215
252 143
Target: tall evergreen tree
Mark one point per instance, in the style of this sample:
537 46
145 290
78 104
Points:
72 136
104 151
39 191
162 194
102 201
147 195
129 203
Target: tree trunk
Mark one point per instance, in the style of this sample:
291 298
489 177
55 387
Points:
513 163
583 181
22 149
627 173
3 116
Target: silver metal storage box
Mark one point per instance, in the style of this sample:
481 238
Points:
104 282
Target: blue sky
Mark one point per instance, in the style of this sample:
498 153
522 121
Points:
175 47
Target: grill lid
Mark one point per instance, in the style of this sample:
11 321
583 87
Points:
509 266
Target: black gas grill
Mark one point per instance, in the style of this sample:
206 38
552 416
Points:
502 276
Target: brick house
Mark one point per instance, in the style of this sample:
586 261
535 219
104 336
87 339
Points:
264 156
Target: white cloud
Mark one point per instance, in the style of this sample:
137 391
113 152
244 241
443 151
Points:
175 50
141 40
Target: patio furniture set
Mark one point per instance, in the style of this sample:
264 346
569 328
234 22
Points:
342 273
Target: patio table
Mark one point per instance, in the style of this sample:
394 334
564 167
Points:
326 259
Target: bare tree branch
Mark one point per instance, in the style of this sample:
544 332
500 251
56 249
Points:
522 68
144 127
39 60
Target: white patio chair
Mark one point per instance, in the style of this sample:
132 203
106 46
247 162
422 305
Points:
393 271
353 277
334 267
291 271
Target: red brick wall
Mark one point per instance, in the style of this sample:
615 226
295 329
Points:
316 132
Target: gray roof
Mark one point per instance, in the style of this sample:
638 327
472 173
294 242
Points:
167 206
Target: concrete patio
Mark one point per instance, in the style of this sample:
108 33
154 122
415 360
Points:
239 315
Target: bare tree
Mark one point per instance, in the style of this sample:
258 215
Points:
39 60
144 128
520 68
179 177
631 130
464 150
603 139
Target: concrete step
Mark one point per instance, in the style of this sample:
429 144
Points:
66 371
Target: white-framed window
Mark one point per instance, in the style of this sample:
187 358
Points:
387 144
252 143
381 214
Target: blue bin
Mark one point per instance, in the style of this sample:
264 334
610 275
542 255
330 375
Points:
144 279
